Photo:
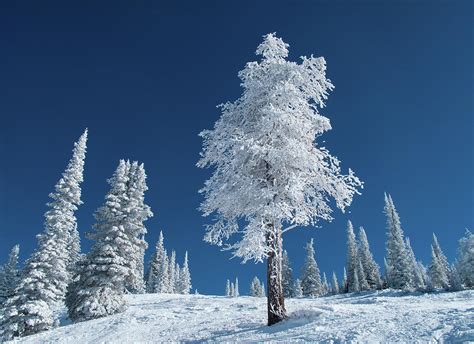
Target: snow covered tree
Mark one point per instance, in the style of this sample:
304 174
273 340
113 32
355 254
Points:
232 289
298 289
256 289
9 275
47 272
401 274
236 287
227 288
99 286
310 275
268 170
157 281
335 284
287 276
418 281
465 260
325 285
352 259
354 287
177 279
455 283
185 277
361 280
438 276
345 285
371 269
172 272
386 278
441 257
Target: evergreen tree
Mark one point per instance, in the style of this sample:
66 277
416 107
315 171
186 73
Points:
287 276
263 149
354 287
386 280
177 279
418 281
232 289
47 272
335 284
310 276
9 275
172 272
185 276
439 278
298 289
256 288
441 257
163 282
345 284
371 269
361 280
465 260
227 288
99 286
352 259
325 285
236 287
455 283
401 275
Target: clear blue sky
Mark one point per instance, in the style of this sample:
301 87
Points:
145 78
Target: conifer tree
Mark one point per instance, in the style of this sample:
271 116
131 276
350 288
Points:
236 287
418 281
47 272
287 276
354 287
441 257
256 288
232 289
185 276
227 288
345 284
455 283
401 275
352 259
269 172
386 278
325 285
465 260
298 289
371 269
9 275
439 278
335 284
310 275
172 272
177 279
361 280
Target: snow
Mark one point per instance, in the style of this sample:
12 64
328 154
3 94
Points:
379 316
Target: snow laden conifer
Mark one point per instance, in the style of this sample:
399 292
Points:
310 275
227 288
325 285
438 276
345 285
441 257
401 274
236 288
9 275
232 289
418 280
47 272
158 281
371 269
185 277
298 289
269 172
256 288
172 272
287 276
361 279
352 259
335 284
465 259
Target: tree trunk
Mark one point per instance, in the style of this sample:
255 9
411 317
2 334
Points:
275 298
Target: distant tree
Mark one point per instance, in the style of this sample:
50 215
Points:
455 283
345 285
287 276
465 260
361 280
335 284
438 276
256 289
232 289
439 253
418 280
9 275
236 287
386 278
310 275
47 272
227 288
371 269
325 285
298 289
352 259
401 274
269 171
172 272
185 276
155 282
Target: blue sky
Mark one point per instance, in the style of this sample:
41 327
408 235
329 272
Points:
145 78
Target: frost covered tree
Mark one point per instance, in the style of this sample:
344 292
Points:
227 288
418 280
9 275
310 275
185 277
232 289
325 285
269 172
386 276
401 274
177 279
352 259
465 260
335 284
371 269
256 288
236 287
298 289
438 276
158 280
172 272
361 279
455 283
47 272
439 253
287 276
345 285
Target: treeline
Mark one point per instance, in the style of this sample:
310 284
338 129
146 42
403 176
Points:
91 285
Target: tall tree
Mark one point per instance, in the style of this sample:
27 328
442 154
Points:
172 272
465 260
361 279
438 276
401 275
268 170
345 284
185 276
439 253
418 281
47 272
227 288
9 275
371 269
324 285
287 276
335 284
310 275
352 259
236 287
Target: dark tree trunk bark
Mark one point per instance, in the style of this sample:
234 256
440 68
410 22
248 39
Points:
275 298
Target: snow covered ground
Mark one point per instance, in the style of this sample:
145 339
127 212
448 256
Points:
384 316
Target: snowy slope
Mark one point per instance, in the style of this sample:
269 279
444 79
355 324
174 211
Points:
366 317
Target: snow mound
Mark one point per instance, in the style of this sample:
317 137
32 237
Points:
382 316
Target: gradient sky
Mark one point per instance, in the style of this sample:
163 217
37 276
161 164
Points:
145 78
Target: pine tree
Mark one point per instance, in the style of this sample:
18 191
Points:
335 284
345 284
310 275
455 283
172 272
185 276
361 280
352 259
47 272
465 260
439 278
163 281
287 276
325 285
371 269
9 276
418 281
99 286
386 279
298 289
227 288
256 289
232 289
354 287
263 149
236 287
441 257
262 289
177 279
401 276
